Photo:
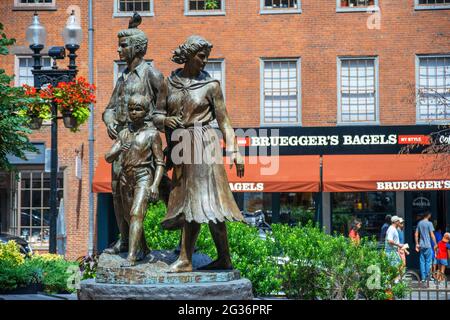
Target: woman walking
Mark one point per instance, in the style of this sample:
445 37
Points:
190 101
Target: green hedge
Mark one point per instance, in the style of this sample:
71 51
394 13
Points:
303 262
52 271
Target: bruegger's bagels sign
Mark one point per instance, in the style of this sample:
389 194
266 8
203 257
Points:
414 185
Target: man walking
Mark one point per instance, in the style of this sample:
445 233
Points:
138 78
393 245
423 236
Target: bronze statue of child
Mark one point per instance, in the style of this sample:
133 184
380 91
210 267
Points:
139 148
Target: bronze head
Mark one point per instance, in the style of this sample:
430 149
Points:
132 41
189 49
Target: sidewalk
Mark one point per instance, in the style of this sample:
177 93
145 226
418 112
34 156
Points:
38 296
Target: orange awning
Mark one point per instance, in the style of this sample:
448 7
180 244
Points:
102 177
396 172
277 174
262 174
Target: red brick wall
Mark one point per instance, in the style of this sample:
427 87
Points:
242 37
76 191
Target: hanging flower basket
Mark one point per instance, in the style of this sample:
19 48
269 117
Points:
70 122
35 123
38 106
73 100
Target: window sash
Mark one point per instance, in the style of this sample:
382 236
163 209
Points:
281 4
433 2
356 3
280 92
24 68
433 88
131 6
32 218
32 3
358 90
200 5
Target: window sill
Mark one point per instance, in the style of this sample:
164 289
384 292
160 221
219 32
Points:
364 9
432 122
281 125
368 123
34 8
280 11
130 14
437 7
204 13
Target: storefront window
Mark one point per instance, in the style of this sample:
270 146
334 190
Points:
290 208
297 208
369 207
32 218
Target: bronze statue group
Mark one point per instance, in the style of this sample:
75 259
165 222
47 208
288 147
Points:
143 104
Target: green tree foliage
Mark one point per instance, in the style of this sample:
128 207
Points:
13 128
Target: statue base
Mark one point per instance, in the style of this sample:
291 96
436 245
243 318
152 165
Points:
149 280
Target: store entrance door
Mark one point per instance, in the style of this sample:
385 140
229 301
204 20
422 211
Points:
416 204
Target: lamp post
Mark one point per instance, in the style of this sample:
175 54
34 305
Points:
36 37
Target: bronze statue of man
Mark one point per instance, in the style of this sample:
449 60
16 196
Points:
138 78
191 99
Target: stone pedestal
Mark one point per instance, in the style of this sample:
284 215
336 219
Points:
149 280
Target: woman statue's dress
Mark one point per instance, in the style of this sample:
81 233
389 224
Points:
200 190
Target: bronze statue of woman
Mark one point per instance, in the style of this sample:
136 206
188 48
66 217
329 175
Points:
189 101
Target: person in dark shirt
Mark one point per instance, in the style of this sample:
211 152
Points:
387 223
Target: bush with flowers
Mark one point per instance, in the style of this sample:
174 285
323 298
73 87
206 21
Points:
73 98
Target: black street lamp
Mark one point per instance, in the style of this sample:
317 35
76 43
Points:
36 36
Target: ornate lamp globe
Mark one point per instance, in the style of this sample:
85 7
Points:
36 34
72 33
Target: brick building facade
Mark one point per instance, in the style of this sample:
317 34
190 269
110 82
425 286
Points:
314 42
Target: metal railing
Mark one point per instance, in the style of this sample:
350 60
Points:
431 289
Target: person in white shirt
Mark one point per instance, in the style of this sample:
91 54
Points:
393 245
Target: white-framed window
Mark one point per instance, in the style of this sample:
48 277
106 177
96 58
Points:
357 90
31 214
24 65
280 6
356 5
34 3
216 69
280 91
433 88
431 4
120 66
126 8
204 7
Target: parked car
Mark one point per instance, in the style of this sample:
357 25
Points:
23 244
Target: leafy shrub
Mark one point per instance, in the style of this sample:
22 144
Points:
48 269
56 271
316 265
250 254
14 271
88 266
322 266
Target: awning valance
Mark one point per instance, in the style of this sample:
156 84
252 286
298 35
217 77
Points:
262 174
277 174
396 172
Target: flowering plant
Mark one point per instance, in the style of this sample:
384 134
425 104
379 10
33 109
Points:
38 105
73 98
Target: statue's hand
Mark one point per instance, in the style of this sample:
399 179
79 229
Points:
112 129
154 193
125 147
173 122
237 159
